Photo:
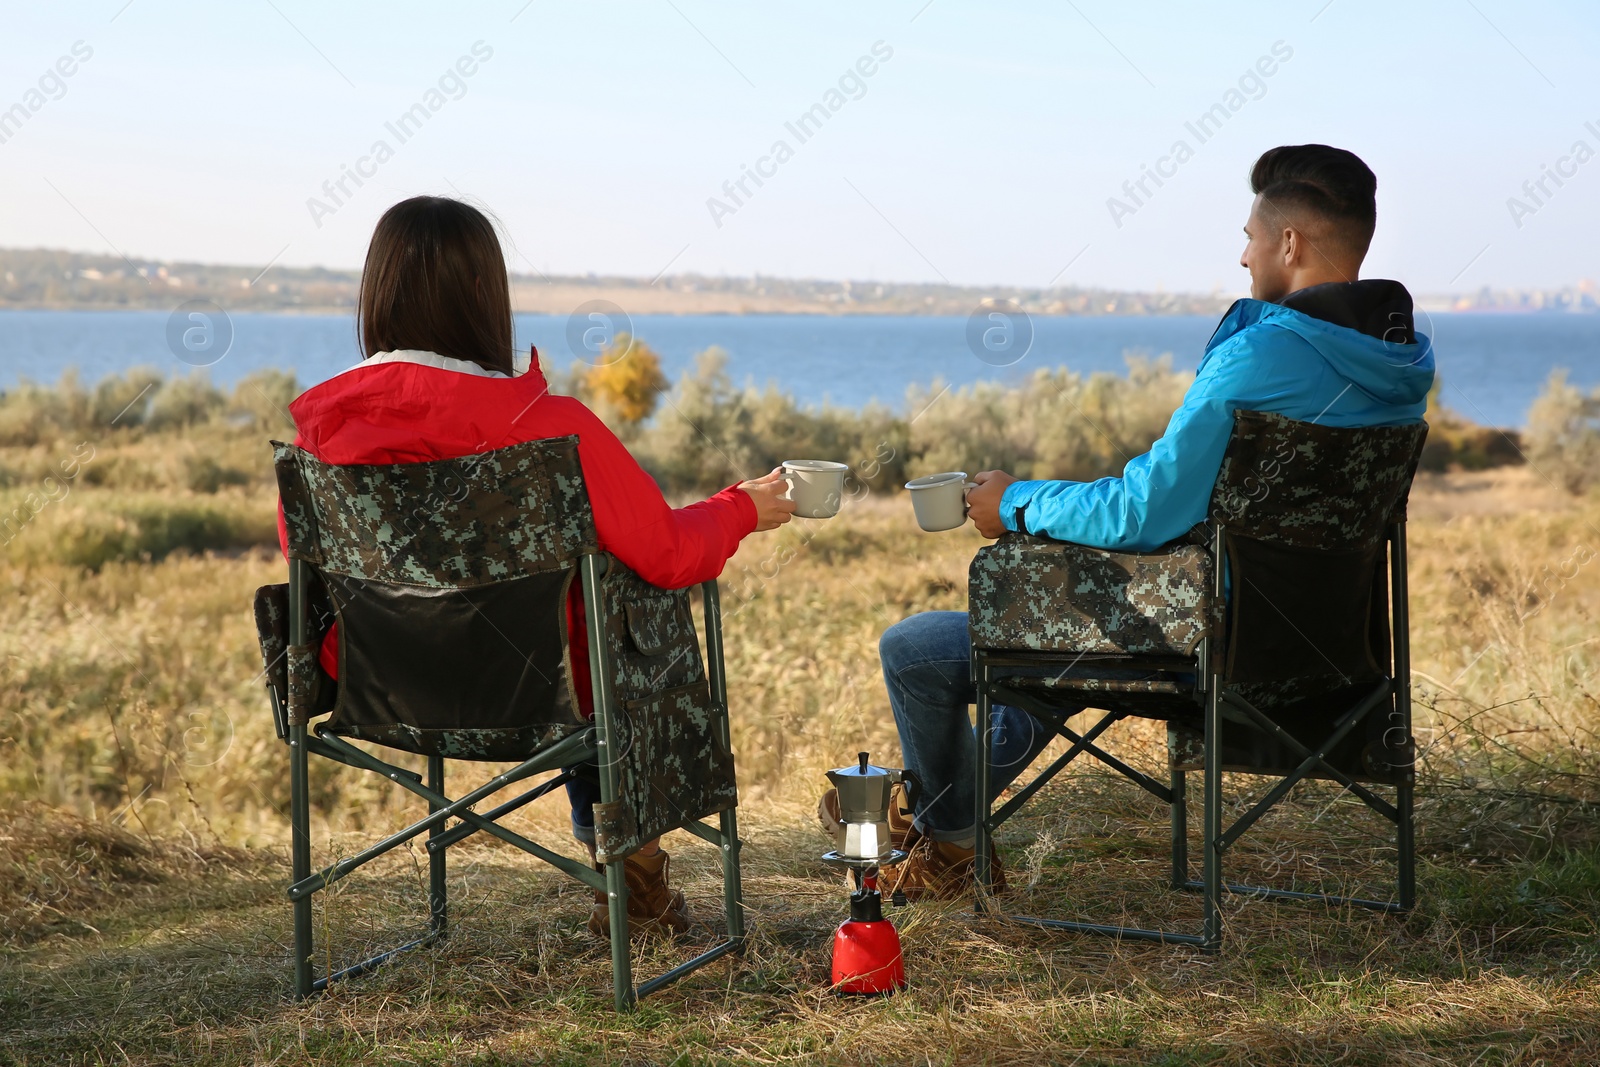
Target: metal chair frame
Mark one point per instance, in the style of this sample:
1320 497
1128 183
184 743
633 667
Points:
591 743
1207 689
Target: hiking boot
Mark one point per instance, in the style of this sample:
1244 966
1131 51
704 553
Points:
653 906
902 835
939 870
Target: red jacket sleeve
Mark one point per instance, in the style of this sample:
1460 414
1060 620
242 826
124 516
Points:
667 547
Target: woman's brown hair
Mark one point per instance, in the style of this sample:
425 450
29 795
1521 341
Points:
435 280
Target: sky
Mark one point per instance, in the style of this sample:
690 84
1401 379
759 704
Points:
982 144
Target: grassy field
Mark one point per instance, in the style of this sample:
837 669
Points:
143 860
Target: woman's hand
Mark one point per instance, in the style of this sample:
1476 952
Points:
767 493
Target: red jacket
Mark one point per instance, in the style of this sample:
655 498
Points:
399 412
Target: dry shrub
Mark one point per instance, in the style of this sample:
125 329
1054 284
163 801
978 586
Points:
1457 443
1059 424
121 405
30 413
1564 433
91 529
709 433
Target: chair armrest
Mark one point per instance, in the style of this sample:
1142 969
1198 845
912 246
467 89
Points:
1031 593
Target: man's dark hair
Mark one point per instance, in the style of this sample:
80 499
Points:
435 280
1329 183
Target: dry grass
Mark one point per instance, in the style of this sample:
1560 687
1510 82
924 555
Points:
153 928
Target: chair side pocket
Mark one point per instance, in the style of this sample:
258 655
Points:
675 766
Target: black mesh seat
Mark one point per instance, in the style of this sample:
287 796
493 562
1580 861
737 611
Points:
1290 660
449 582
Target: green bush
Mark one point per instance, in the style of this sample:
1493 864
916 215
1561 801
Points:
1457 443
153 433
1564 433
123 399
708 433
1060 424
264 396
182 402
31 414
203 474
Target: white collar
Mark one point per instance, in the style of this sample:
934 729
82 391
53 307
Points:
427 359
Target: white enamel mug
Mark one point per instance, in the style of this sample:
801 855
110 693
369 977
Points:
816 486
940 500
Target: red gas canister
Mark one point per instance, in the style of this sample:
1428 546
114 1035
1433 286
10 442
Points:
866 949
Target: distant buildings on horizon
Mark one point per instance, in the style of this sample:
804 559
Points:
42 278
1585 296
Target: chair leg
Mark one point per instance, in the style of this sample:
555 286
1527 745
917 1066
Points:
610 754
717 677
1211 927
438 908
1180 818
1400 627
621 961
1403 800
981 778
300 855
732 885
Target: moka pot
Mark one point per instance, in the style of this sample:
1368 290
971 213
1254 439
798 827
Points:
863 838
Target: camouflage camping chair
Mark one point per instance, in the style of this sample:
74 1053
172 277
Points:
1290 661
449 582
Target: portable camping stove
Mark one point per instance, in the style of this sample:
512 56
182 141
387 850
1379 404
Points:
866 947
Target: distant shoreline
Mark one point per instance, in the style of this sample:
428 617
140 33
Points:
868 312
753 313
53 280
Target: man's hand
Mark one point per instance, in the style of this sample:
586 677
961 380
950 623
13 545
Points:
768 494
983 503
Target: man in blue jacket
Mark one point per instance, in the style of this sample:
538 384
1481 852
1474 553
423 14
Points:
1313 343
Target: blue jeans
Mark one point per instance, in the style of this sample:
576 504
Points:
583 794
927 667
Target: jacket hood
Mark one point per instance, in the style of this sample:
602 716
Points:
383 404
1363 330
1376 307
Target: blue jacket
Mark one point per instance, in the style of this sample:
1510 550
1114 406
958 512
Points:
1263 357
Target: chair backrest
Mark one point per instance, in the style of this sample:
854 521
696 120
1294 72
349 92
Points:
449 582
1305 511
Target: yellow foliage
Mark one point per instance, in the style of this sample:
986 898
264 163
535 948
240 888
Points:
627 380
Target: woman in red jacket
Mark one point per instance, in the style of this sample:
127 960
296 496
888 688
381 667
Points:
437 382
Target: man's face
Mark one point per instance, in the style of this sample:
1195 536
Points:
1264 257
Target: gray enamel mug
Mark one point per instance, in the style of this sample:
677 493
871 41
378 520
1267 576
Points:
816 486
940 500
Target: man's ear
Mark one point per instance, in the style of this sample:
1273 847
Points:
1294 246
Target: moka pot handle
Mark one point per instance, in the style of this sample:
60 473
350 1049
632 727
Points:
913 786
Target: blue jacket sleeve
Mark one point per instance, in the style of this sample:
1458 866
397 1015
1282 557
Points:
1160 495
